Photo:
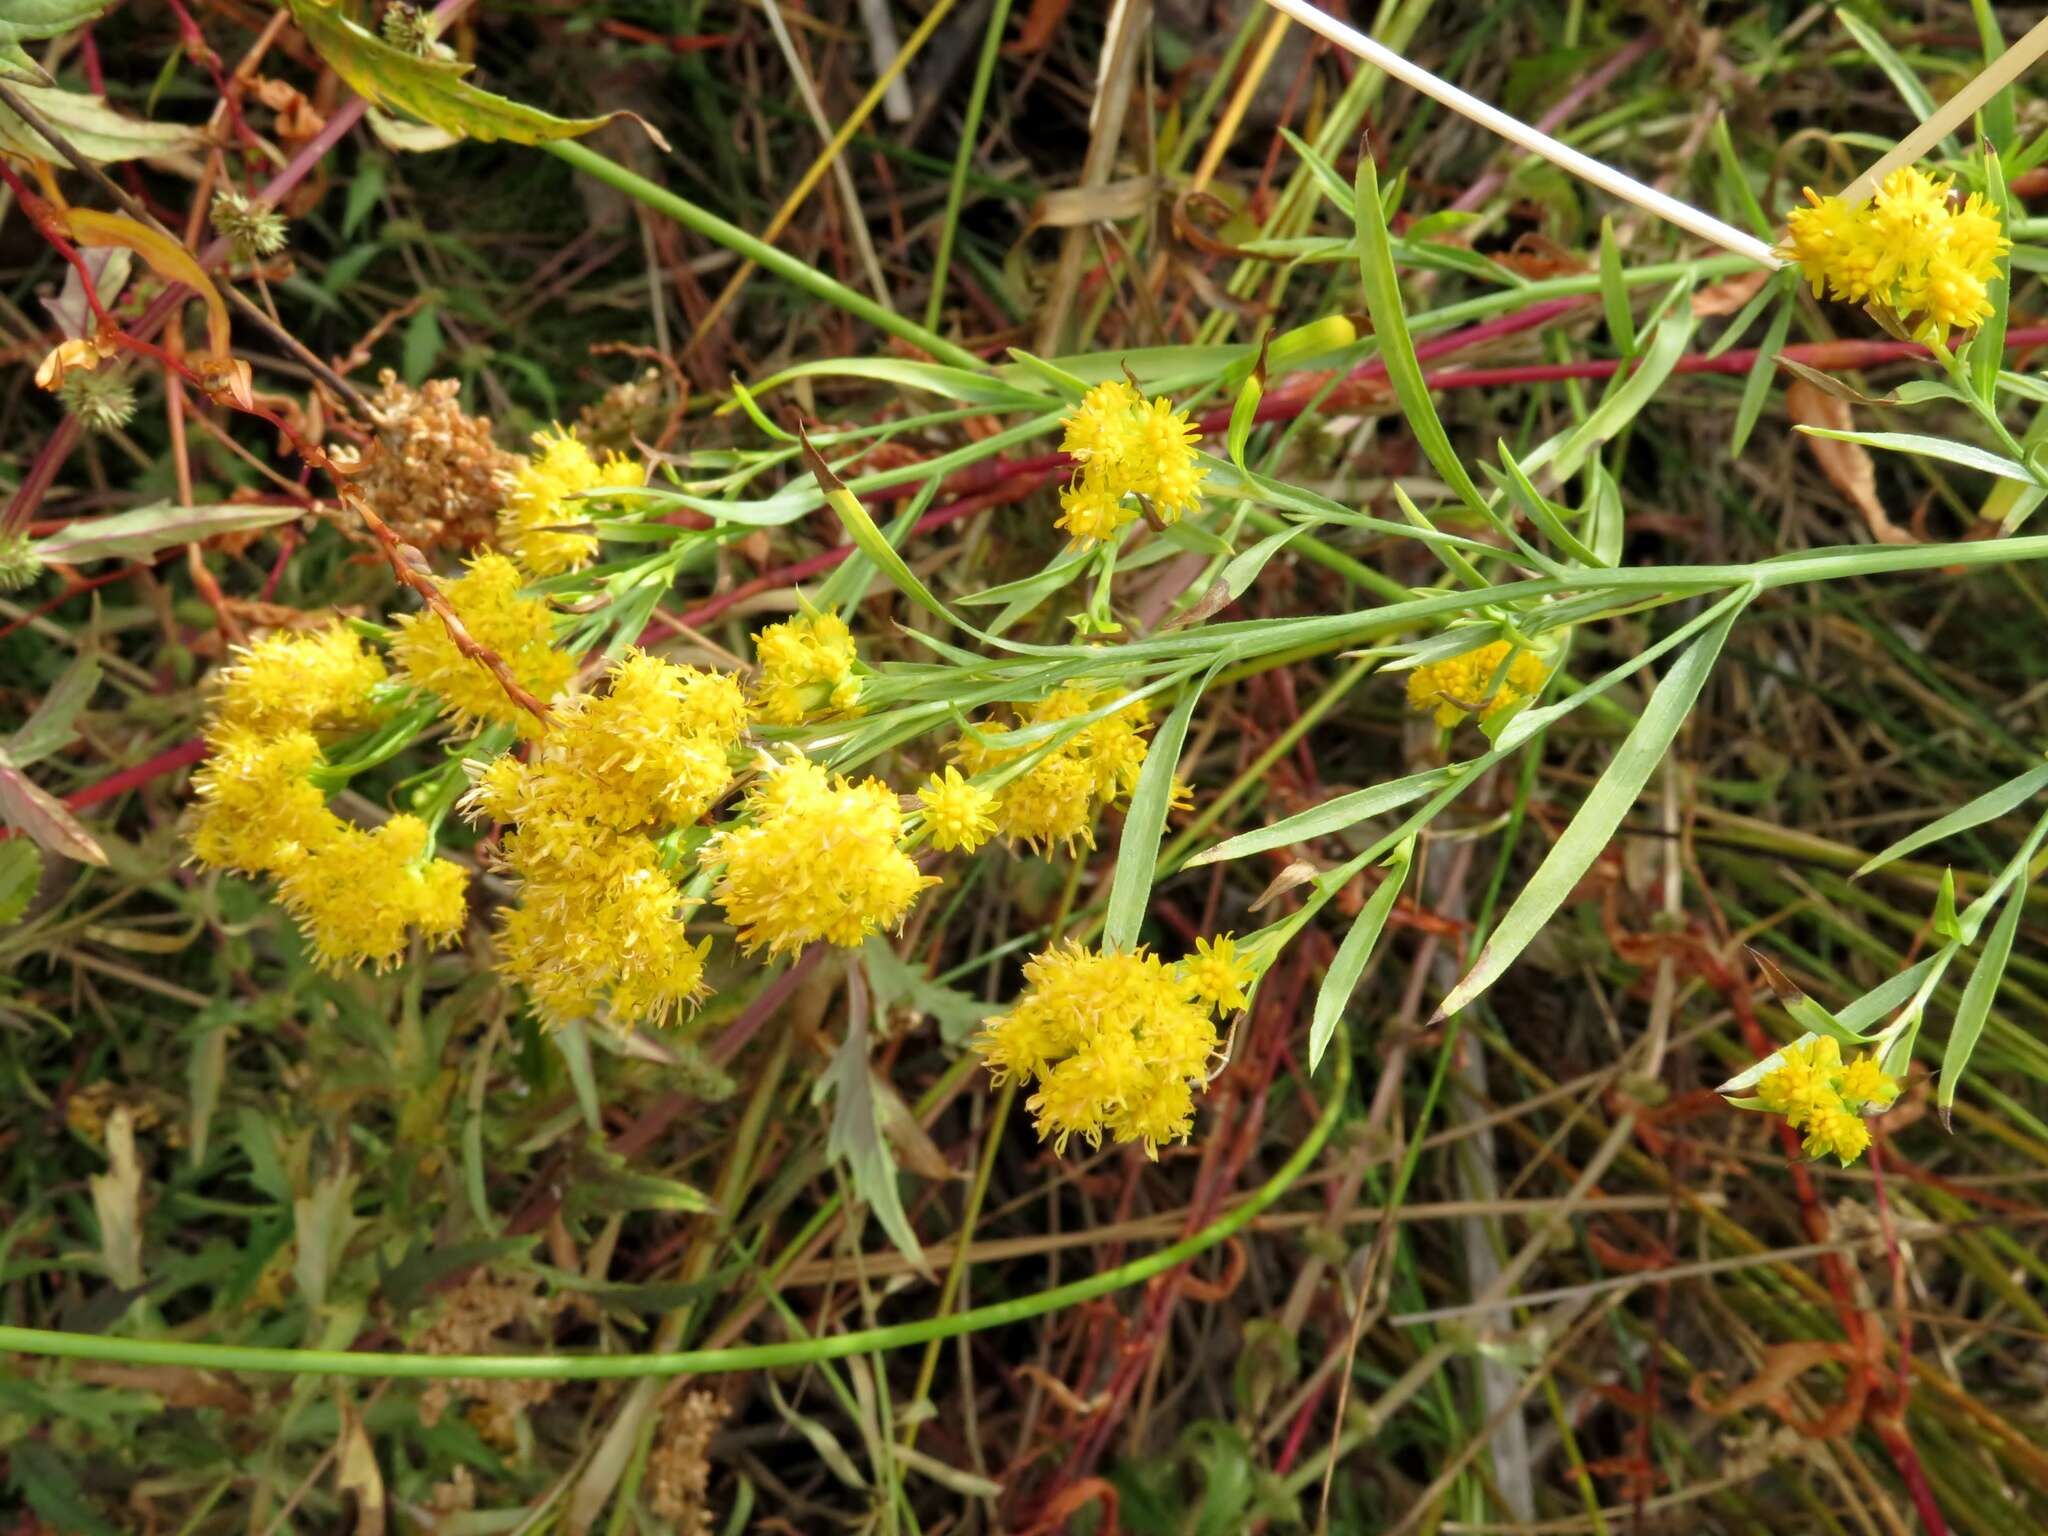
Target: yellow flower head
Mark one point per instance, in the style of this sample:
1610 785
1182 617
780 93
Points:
258 812
806 669
530 523
1863 1081
1118 1043
520 630
819 860
358 892
299 680
1820 1095
1911 249
1804 1082
1127 446
1218 975
1059 799
652 751
1483 681
599 924
957 814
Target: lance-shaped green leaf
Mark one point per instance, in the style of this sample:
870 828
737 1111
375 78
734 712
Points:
88 125
1331 816
1349 964
1966 455
1988 806
21 870
1590 830
1987 347
867 537
1137 853
856 1139
1621 325
37 814
1978 994
31 21
48 730
433 90
139 534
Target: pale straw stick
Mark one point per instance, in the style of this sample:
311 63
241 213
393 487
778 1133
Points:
1952 114
1585 167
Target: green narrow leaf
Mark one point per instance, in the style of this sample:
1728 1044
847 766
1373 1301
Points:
1245 412
1349 964
573 1041
1756 388
431 89
1565 453
21 870
364 188
868 538
1397 345
1137 852
1895 69
1326 175
422 343
856 1140
1584 839
1978 994
139 534
1987 349
1735 183
48 729
91 127
1988 806
41 816
1998 115
1944 921
31 21
1331 816
1931 448
1537 508
1621 325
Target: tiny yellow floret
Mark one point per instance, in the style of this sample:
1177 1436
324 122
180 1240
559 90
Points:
1218 975
1118 1043
299 680
818 859
807 667
531 525
957 814
1060 798
1482 682
519 629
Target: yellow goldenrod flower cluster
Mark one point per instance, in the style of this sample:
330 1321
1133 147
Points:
816 859
1911 250
1127 447
957 814
1116 1042
1059 799
354 893
600 919
530 525
806 669
487 600
295 680
1823 1096
1481 682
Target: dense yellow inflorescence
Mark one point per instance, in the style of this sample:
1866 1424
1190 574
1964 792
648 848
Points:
1912 249
600 920
817 859
297 679
355 894
1117 1043
1821 1095
807 669
957 814
1129 449
519 629
1475 683
1060 798
532 524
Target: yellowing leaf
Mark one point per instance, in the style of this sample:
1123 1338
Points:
90 126
431 89
166 257
30 21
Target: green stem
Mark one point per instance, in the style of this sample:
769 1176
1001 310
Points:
970 135
781 263
694 1362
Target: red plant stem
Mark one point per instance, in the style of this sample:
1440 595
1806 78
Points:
65 596
170 760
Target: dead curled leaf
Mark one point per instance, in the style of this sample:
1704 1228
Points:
1725 298
1848 466
1782 1364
